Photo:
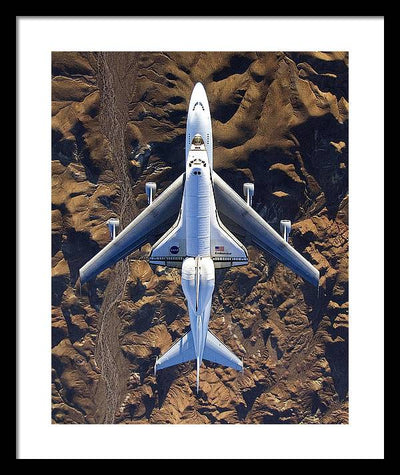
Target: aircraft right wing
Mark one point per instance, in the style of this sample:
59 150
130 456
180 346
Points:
217 352
232 206
137 233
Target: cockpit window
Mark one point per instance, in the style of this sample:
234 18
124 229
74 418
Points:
198 104
197 162
197 140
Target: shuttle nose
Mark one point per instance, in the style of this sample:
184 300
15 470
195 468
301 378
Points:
199 88
199 93
199 120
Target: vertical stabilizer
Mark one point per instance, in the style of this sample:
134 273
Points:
198 374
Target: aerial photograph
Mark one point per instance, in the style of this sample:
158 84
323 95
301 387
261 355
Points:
199 237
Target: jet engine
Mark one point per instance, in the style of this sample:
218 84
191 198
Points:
113 225
285 227
248 191
151 188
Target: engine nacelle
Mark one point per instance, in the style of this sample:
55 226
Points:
151 188
113 225
285 227
248 191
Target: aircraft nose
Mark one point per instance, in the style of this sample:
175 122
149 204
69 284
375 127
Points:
199 88
199 93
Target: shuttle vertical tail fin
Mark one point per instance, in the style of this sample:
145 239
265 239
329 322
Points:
197 374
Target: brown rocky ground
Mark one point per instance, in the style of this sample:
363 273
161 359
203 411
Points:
280 120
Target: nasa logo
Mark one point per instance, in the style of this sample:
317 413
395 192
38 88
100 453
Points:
174 250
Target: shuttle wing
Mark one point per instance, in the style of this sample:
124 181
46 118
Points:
226 249
232 206
138 232
170 249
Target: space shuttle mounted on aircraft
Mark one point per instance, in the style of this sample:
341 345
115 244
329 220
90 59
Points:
198 202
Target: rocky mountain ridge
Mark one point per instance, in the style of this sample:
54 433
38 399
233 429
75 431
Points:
280 120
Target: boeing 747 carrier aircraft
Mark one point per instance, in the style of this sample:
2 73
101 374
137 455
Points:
199 201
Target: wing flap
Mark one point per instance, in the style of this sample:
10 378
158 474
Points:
137 232
230 204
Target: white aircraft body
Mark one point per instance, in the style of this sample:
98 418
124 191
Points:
199 242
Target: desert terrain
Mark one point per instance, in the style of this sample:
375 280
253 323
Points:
280 120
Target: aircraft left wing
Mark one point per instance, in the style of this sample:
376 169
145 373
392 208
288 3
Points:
180 352
232 206
137 233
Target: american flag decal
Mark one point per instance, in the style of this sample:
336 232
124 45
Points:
219 248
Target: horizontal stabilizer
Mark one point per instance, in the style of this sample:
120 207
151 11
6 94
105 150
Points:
182 351
217 352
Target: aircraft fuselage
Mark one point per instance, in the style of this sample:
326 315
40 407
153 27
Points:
198 205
